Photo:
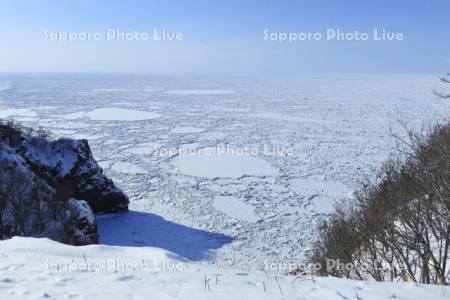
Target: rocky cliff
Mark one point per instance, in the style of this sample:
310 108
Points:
52 188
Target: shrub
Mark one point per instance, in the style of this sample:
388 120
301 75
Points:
397 225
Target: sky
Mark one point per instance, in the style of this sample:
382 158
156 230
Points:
224 37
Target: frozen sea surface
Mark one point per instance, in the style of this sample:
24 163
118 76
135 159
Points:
335 128
186 129
114 114
235 208
200 92
5 86
210 163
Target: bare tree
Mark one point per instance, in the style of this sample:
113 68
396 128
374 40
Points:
444 79
398 224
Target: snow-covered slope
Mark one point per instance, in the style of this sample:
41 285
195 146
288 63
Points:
40 268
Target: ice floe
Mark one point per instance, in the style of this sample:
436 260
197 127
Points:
213 164
114 114
235 208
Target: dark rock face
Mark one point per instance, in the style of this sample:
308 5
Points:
31 207
52 188
70 162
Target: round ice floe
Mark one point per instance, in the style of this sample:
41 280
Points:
200 92
235 208
114 114
211 164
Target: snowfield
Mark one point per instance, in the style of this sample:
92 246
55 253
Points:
42 269
302 143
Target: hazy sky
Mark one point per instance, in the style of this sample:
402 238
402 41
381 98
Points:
225 37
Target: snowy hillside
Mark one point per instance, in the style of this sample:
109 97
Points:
39 269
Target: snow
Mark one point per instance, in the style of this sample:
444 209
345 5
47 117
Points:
50 155
139 229
212 163
82 207
114 114
235 208
39 268
200 92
